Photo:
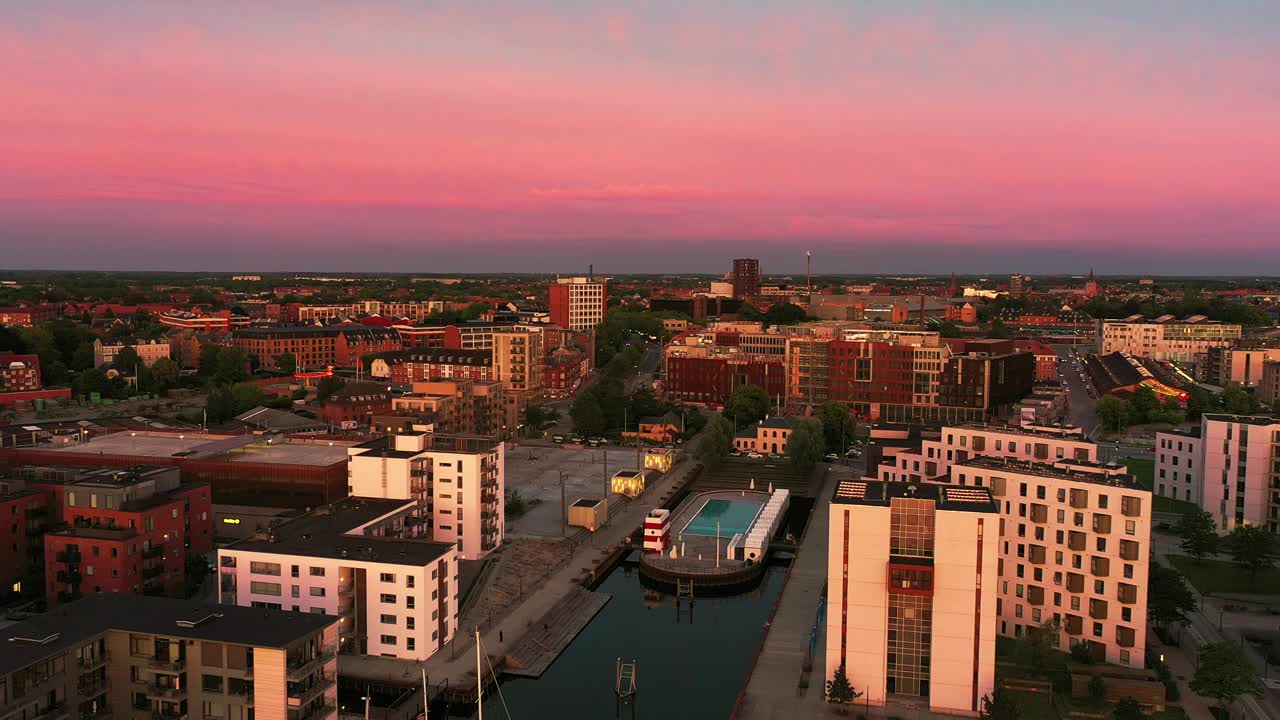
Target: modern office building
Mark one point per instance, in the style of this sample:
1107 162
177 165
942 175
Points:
912 579
1166 338
1075 538
578 303
1239 470
746 278
123 656
457 483
361 561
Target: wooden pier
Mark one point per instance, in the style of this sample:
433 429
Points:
552 633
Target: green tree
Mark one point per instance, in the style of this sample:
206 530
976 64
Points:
716 441
287 362
784 313
749 312
837 426
246 396
1097 689
1144 405
588 417
208 361
949 329
839 690
1224 674
1128 709
1252 546
127 360
1237 401
999 706
747 404
805 445
230 367
327 386
1171 412
1200 401
91 381
1039 643
1199 534
999 330
1113 412
1169 599
164 374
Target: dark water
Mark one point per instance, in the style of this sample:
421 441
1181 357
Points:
685 670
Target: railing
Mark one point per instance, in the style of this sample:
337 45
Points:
96 660
317 711
167 664
298 698
68 557
169 715
300 670
175 694
51 712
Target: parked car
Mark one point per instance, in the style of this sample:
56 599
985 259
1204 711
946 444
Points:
754 455
832 457
736 453
775 456
577 439
557 439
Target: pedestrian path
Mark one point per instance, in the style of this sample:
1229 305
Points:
542 643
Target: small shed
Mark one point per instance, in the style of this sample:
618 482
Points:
590 513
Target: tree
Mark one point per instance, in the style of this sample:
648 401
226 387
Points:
804 446
1097 689
286 362
716 440
327 386
588 417
784 313
839 690
1038 643
998 706
1113 412
747 404
1144 404
837 426
1200 401
949 329
1254 547
1237 401
164 374
1199 534
999 331
230 366
1224 673
1169 599
1127 709
127 360
1171 412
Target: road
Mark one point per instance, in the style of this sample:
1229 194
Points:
1082 403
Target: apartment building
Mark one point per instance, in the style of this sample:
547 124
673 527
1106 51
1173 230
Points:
360 561
708 373
746 278
957 443
221 321
578 303
1165 337
518 359
24 518
1074 544
457 483
1269 385
1242 364
1179 469
149 350
122 656
1239 470
19 373
912 579
126 530
27 315
464 407
312 347
408 367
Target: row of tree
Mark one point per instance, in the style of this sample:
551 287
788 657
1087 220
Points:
1144 407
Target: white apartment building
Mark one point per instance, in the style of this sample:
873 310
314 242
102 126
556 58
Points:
912 577
1241 470
1035 443
1179 465
393 596
1165 337
1075 538
456 483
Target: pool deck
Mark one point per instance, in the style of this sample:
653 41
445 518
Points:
698 553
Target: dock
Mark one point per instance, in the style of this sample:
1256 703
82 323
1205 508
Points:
551 634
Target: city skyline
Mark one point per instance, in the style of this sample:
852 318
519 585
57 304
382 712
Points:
452 138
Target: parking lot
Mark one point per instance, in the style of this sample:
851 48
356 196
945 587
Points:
534 471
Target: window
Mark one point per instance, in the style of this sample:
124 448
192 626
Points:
1097 629
211 683
386 578
293 571
387 598
264 568
264 588
409 601
295 591
408 581
387 619
409 622
317 592
1130 527
317 572
409 644
388 639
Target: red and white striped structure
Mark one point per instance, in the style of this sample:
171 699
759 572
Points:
657 530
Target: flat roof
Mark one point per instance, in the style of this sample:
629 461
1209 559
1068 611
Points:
323 533
1045 470
231 448
1243 419
1068 432
68 626
966 498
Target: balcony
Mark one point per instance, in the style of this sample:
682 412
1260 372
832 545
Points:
1098 609
1036 554
1101 523
1075 582
300 669
318 712
1076 540
1129 550
69 558
1131 506
166 692
152 552
1073 624
168 715
1100 566
1127 594
94 661
1039 513
299 696
1125 637
68 576
66 597
1079 499
56 711
168 664
1035 595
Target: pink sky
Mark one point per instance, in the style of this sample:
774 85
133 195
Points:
415 130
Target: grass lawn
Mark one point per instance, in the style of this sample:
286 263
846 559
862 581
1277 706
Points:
1144 470
1219 576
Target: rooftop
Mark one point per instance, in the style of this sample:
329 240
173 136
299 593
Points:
945 497
1243 419
71 625
1056 472
230 448
1068 432
323 533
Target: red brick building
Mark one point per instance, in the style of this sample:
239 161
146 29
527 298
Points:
220 321
406 368
27 315
129 530
24 517
871 372
358 403
1046 359
311 347
712 379
564 369
19 372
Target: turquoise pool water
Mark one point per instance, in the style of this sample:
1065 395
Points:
733 515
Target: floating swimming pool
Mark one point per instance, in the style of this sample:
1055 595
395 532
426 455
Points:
734 516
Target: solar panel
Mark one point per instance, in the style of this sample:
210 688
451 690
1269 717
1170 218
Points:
852 490
966 495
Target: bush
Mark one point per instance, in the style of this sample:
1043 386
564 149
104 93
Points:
1080 653
1171 692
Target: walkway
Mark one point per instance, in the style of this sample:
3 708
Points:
773 690
543 643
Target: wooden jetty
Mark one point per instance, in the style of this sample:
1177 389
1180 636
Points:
552 633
